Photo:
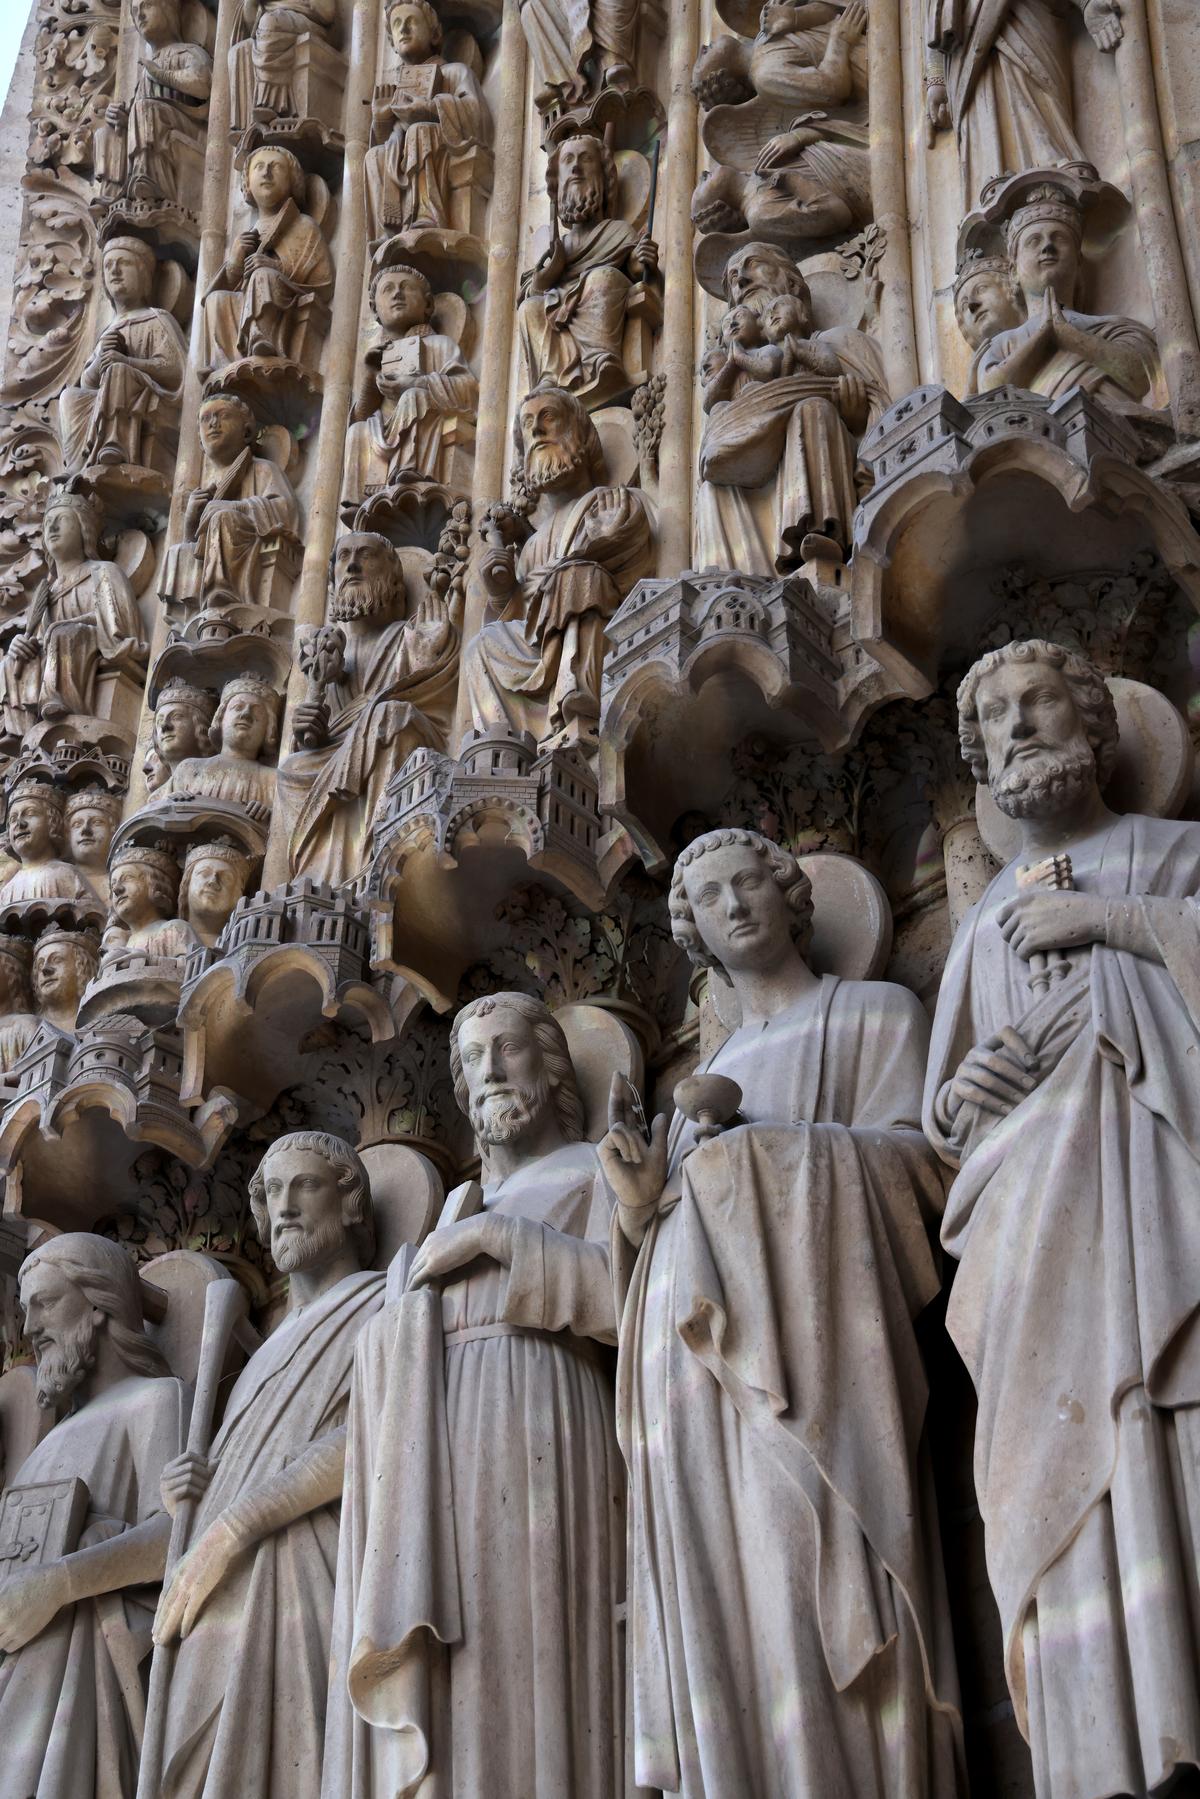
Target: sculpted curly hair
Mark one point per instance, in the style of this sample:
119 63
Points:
786 872
353 1181
555 1053
1093 701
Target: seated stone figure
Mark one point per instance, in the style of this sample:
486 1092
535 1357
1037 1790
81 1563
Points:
214 880
64 962
416 406
19 1022
393 692
428 110
278 275
537 667
244 509
572 315
565 35
144 884
1055 347
244 727
36 828
803 56
1061 1090
987 301
262 68
149 148
183 714
811 182
126 407
74 1618
771 1399
92 815
83 622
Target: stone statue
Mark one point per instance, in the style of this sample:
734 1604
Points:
262 68
987 301
250 1604
572 315
808 55
999 72
787 403
35 826
144 149
75 1615
278 275
245 727
771 1397
244 508
19 1023
537 667
1056 348
183 716
427 113
811 182
63 964
92 815
564 36
415 410
144 883
126 407
83 622
392 691
482 1415
1060 1088
214 880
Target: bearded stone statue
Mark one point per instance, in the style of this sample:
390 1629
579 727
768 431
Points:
1061 1090
537 667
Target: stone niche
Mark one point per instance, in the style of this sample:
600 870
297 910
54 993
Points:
599 877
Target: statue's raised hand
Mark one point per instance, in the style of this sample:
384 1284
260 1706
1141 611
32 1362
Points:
1103 20
635 1166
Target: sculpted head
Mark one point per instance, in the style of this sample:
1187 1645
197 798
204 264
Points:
63 964
181 721
558 442
786 315
272 176
987 299
738 901
158 21
1045 244
143 885
214 880
414 29
511 1067
246 723
401 299
36 824
16 960
309 1195
92 815
581 179
368 578
128 266
1038 724
77 1289
227 425
71 529
758 272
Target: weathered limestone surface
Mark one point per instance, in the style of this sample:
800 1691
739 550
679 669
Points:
591 594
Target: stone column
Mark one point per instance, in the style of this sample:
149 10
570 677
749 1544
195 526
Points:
676 467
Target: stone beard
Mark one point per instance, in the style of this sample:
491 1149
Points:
64 1362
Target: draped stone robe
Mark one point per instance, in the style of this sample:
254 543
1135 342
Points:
246 1713
408 174
1076 1221
273 302
253 504
72 1702
562 34
113 411
787 1621
395 695
574 332
427 396
85 621
1008 81
531 672
475 1646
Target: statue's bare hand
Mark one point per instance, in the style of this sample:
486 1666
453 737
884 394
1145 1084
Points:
498 572
850 26
550 269
452 1247
310 724
29 1600
115 117
24 649
1033 922
937 106
852 400
186 1478
1103 20
643 261
995 1076
195 1580
635 1169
